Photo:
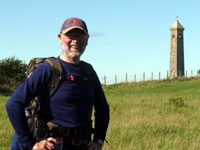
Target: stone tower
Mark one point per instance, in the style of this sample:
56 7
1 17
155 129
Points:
176 50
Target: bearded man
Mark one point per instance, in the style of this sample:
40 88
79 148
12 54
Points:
70 107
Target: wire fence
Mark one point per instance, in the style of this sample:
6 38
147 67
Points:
106 80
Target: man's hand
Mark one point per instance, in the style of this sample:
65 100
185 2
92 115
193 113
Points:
94 146
47 144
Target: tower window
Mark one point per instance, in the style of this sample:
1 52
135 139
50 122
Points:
179 36
173 35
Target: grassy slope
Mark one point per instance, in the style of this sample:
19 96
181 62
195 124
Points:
154 115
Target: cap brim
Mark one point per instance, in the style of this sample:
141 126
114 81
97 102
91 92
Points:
71 28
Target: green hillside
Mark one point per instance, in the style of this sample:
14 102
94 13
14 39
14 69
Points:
151 115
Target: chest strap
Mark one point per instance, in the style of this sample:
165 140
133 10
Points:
74 78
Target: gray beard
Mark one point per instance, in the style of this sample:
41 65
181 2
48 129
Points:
70 55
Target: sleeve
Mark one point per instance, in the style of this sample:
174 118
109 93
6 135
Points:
102 113
21 97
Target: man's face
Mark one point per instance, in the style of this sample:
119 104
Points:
74 43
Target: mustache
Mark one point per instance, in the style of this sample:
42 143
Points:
74 45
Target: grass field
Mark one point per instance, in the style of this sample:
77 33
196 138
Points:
6 129
151 115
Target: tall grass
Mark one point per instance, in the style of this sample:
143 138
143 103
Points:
154 115
6 130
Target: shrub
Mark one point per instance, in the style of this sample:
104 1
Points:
177 102
12 73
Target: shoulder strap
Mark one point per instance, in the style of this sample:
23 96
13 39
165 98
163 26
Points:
33 64
55 64
91 74
57 73
89 69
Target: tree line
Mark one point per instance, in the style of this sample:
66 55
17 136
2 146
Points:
12 73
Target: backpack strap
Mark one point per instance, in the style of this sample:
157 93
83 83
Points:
90 70
33 64
57 73
91 74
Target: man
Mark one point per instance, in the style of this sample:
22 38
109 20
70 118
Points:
71 105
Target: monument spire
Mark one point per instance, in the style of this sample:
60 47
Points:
176 50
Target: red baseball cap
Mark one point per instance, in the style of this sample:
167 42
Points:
74 23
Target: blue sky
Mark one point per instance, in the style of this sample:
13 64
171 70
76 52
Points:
129 36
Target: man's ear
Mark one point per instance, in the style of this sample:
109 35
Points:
59 35
87 40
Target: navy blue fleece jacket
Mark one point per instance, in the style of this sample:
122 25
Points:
70 106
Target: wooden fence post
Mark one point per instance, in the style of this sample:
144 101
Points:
126 77
135 78
167 74
115 79
159 75
143 76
